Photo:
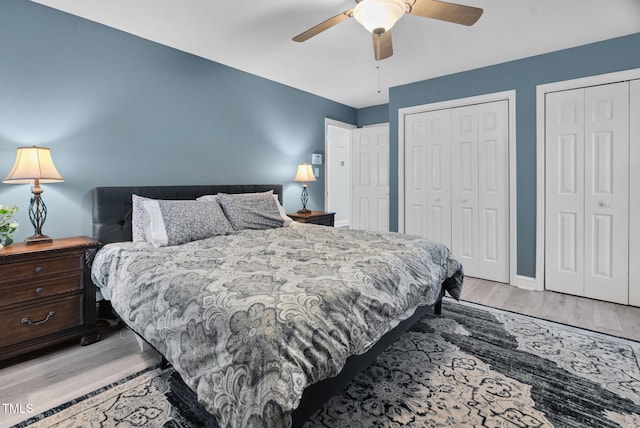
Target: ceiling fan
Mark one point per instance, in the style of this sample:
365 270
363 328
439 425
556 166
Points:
378 16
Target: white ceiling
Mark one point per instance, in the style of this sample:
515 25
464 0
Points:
338 64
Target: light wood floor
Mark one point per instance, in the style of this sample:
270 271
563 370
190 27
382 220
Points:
57 375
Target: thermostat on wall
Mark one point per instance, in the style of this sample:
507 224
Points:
316 159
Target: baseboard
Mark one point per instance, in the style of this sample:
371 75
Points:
342 223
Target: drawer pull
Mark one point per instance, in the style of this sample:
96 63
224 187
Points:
39 290
39 269
29 322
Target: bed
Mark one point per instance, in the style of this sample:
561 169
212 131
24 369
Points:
264 326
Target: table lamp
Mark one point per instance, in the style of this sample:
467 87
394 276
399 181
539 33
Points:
34 166
304 174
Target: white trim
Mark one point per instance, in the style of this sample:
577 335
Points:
526 282
332 122
510 96
343 223
541 92
583 82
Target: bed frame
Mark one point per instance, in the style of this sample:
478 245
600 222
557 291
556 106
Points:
112 210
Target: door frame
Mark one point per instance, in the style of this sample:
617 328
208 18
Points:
327 158
541 92
510 96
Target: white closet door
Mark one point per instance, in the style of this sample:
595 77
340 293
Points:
439 179
456 183
607 192
428 175
415 174
493 191
564 152
370 204
464 186
634 195
587 190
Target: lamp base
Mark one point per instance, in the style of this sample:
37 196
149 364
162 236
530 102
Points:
304 211
38 239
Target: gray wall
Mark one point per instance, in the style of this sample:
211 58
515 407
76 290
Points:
373 115
523 75
119 110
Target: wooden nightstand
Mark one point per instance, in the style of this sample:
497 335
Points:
315 217
46 295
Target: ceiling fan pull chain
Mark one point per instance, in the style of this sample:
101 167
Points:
377 55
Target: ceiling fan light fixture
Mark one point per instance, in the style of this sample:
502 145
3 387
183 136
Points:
378 16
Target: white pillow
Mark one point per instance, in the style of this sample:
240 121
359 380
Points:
137 218
168 223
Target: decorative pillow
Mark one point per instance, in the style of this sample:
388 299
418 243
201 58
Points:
169 223
283 214
251 211
137 218
215 197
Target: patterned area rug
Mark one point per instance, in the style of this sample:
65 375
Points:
472 366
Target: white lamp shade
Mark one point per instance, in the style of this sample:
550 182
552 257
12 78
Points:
377 14
33 163
305 173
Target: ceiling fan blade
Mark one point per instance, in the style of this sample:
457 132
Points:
323 26
382 45
450 12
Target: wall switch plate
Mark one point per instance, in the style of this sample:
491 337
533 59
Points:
316 159
316 172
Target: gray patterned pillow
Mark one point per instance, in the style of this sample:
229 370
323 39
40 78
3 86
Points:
283 214
169 223
251 212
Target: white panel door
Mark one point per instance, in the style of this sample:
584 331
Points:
493 191
587 192
634 195
415 174
456 183
464 187
428 175
370 178
564 237
439 176
607 192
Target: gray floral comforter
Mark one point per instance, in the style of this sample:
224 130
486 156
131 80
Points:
250 319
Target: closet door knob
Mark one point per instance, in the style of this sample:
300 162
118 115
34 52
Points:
604 204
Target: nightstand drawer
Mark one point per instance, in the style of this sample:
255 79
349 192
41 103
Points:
322 218
325 220
20 325
46 295
41 267
36 289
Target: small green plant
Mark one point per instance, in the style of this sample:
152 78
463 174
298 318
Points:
8 224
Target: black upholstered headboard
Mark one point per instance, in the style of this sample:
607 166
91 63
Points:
112 205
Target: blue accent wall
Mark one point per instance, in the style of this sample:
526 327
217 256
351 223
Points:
373 115
617 54
118 110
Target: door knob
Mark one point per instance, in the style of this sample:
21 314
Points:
604 204
464 201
